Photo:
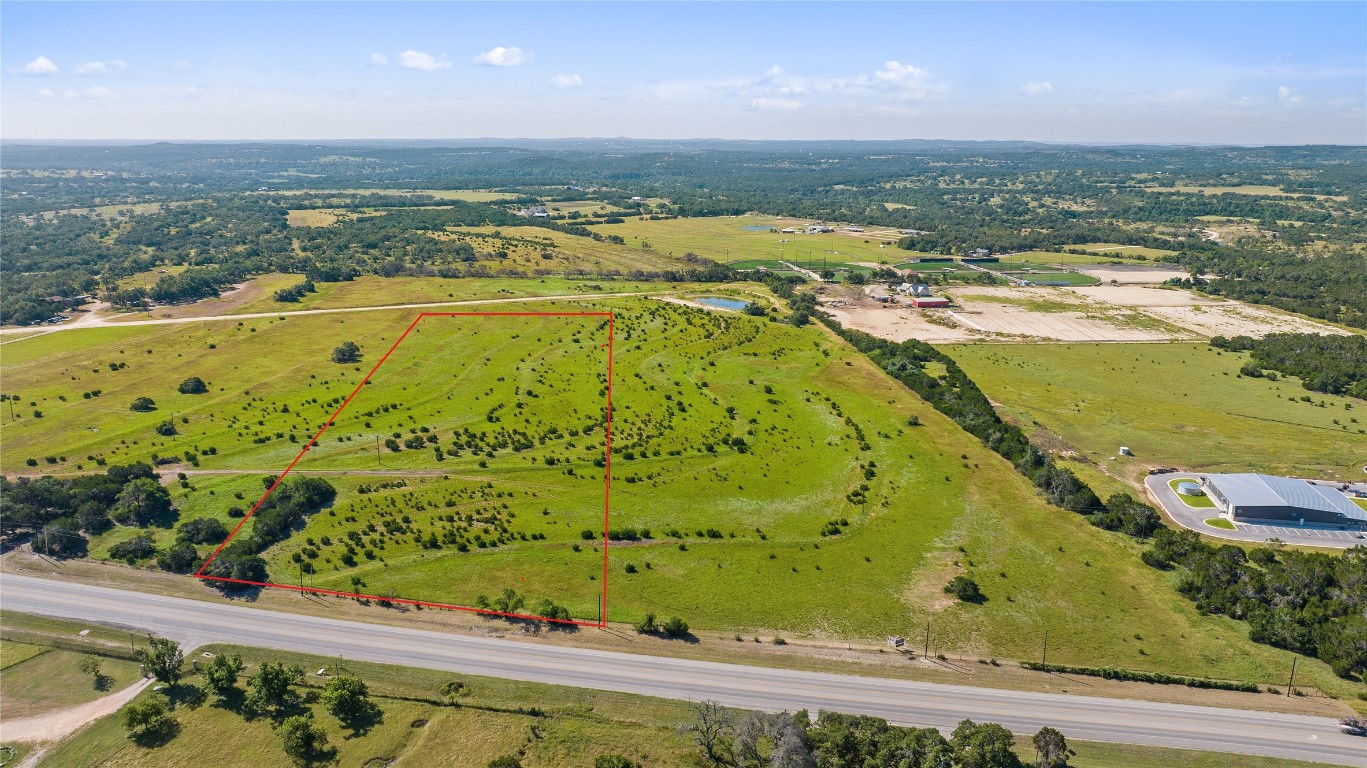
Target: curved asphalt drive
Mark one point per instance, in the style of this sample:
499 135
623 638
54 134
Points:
904 702
1194 518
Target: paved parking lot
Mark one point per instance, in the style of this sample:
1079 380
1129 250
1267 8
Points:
1285 533
1195 517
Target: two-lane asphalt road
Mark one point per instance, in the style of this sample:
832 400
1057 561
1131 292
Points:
904 702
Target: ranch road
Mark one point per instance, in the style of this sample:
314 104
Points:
195 623
97 321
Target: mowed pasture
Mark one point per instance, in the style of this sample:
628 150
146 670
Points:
773 466
1178 405
730 239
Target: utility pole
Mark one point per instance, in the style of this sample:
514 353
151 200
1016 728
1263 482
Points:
926 655
378 461
1292 682
1044 660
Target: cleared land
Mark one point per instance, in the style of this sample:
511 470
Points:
729 239
930 489
1180 405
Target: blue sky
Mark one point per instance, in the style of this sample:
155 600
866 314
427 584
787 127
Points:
1108 72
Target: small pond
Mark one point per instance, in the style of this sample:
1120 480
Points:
717 301
764 228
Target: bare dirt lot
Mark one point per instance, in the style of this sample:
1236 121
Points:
900 322
1004 319
1129 274
1128 296
1236 319
1118 313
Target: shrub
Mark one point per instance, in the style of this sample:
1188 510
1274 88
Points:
348 352
675 627
205 530
193 386
135 549
965 589
166 428
143 405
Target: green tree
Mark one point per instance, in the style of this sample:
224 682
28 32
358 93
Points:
1051 749
614 761
348 699
143 405
269 689
710 728
149 720
985 745
348 352
162 658
220 675
304 742
90 665
505 761
193 386
965 589
141 502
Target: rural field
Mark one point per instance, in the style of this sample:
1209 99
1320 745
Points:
1177 405
765 478
729 239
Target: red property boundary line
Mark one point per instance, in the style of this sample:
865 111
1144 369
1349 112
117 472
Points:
607 486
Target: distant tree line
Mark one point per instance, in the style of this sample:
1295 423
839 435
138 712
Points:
725 737
1335 365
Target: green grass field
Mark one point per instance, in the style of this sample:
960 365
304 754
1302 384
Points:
1180 405
828 423
1113 250
726 239
1046 275
47 680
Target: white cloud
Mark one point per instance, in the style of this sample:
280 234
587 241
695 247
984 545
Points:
96 93
1037 89
1288 95
101 67
567 81
40 66
46 93
378 59
775 105
423 62
503 57
910 81
180 65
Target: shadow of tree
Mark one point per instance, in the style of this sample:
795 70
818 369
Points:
156 737
364 721
186 695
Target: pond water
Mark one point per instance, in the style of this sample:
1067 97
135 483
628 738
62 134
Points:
756 229
717 301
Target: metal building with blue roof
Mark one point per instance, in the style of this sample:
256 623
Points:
1251 496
